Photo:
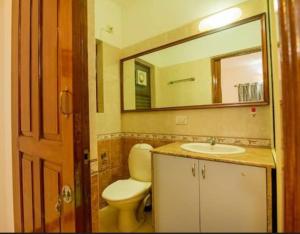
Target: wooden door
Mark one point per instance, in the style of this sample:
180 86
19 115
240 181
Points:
233 198
176 194
47 139
289 20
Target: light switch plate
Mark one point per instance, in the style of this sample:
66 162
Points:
181 120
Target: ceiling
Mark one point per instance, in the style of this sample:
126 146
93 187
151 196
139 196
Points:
125 3
137 20
235 39
204 3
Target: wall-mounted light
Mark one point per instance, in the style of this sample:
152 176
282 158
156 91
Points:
220 19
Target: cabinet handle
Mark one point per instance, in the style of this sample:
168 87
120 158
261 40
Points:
203 171
194 169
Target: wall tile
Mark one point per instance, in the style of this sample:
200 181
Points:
116 153
104 154
95 201
114 149
117 174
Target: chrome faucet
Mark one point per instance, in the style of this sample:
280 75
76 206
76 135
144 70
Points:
212 141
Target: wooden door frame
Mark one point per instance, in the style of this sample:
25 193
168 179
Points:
289 22
80 112
81 115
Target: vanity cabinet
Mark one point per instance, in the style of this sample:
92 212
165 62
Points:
194 195
176 194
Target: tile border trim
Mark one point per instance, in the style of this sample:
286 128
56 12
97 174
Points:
254 142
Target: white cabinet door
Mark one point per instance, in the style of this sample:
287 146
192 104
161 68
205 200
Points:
232 198
176 194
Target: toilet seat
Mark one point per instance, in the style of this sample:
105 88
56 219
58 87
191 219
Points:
125 189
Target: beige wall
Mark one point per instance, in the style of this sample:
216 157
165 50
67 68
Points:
6 194
105 13
197 92
110 120
108 13
230 122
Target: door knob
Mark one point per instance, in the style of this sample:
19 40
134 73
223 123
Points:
67 194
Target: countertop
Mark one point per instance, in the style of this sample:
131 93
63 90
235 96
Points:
260 157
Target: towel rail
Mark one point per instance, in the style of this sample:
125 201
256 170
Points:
182 80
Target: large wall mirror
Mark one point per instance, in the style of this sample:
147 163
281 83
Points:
223 67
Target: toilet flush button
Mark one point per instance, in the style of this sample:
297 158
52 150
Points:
181 120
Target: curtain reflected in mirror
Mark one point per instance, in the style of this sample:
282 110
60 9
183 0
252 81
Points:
238 77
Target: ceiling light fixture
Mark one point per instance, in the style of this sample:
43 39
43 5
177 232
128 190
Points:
220 19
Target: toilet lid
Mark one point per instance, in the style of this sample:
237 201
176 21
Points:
125 189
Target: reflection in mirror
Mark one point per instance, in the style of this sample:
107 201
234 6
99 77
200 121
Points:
238 77
218 68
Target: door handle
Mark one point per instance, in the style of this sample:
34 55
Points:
65 102
203 172
58 205
66 196
194 169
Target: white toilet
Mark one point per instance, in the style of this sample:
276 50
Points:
126 195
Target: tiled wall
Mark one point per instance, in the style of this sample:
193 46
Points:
113 152
110 163
95 201
113 155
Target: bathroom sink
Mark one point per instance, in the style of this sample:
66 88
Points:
206 148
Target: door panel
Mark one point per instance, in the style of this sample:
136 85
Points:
176 194
233 197
51 78
25 71
28 191
43 138
52 187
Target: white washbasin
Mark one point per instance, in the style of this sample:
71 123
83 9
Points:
207 148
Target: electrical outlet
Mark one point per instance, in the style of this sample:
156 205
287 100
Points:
181 120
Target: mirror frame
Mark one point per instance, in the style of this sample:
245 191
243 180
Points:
265 53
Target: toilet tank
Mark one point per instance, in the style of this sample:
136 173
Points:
139 162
